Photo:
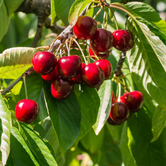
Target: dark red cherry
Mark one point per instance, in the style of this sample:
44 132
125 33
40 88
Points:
44 62
102 55
111 122
78 79
133 100
105 65
52 75
123 40
92 75
60 88
85 27
102 40
119 112
26 110
69 66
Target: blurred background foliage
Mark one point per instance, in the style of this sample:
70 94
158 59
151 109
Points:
23 26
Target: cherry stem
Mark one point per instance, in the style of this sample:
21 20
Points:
98 12
80 50
58 37
26 92
58 49
95 56
105 18
119 90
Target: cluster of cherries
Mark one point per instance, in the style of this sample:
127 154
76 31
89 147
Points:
129 102
69 70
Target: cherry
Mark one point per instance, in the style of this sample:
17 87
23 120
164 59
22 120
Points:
52 75
113 97
102 40
77 79
103 55
92 75
133 100
119 112
26 110
69 66
85 27
105 65
111 122
44 62
123 40
61 88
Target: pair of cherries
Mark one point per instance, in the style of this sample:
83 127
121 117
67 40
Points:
121 108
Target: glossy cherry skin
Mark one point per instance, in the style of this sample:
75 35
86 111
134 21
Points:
106 66
133 100
44 62
102 40
102 55
61 88
123 40
119 112
26 110
85 27
52 75
92 75
78 79
69 66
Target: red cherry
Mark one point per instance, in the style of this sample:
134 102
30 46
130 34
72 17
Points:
123 40
119 112
105 65
69 66
92 75
44 62
52 75
77 79
60 88
102 55
133 100
26 110
85 27
102 40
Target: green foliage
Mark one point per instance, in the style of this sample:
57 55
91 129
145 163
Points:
67 131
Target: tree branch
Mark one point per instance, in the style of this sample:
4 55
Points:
119 65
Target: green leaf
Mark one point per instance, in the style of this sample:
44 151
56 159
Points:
65 117
19 146
5 18
127 157
5 120
105 94
14 61
76 9
93 142
62 9
139 140
53 140
34 85
53 12
40 148
110 151
12 5
148 65
89 102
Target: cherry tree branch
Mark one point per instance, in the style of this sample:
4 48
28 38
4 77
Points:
119 65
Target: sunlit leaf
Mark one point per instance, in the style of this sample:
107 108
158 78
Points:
14 61
105 94
4 132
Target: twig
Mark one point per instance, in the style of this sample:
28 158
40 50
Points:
119 65
26 73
